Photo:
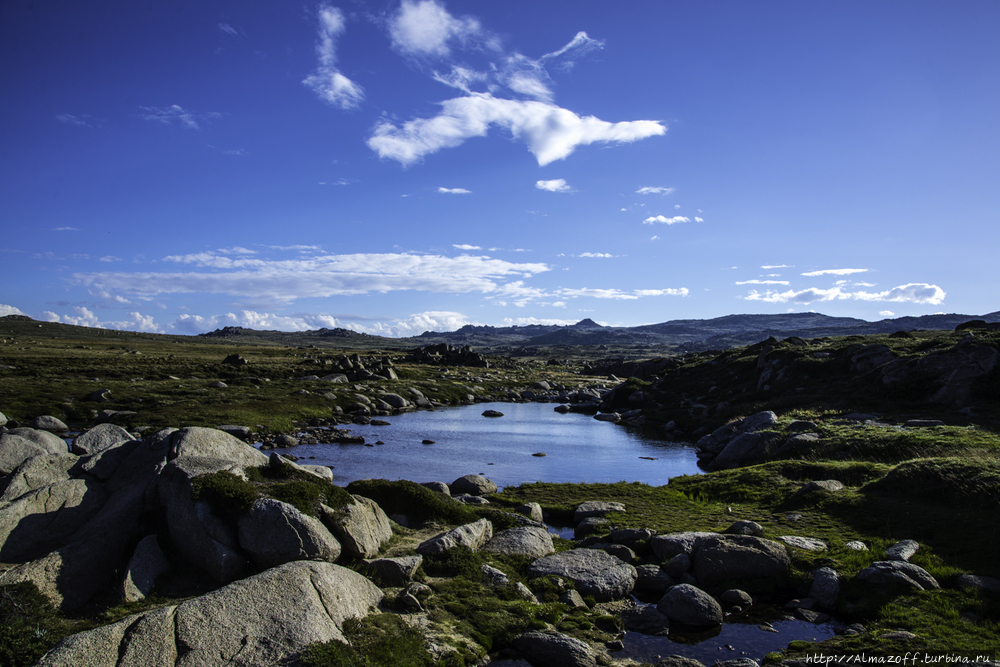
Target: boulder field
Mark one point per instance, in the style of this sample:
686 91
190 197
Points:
112 517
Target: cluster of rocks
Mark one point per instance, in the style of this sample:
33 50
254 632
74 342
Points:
446 354
353 368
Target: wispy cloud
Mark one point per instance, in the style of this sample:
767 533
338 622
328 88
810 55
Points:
317 276
65 229
911 293
834 272
454 191
465 246
411 325
619 294
109 259
763 282
327 81
663 220
596 254
776 266
81 120
654 191
555 185
176 113
241 152
228 29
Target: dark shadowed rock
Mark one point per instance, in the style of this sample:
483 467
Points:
273 532
554 650
691 606
898 573
392 571
736 557
147 563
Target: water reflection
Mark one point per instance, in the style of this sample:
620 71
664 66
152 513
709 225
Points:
577 448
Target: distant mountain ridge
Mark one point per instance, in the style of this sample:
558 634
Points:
682 335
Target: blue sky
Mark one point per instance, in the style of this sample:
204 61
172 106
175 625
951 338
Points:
400 167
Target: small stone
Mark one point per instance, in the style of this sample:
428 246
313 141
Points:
807 543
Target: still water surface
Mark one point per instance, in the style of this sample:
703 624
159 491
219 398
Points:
577 448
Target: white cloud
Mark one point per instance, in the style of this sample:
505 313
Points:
410 326
834 272
241 152
454 191
465 246
327 81
619 294
317 276
654 238
550 132
697 219
910 293
555 185
665 220
228 29
886 313
300 248
237 250
66 229
580 45
596 254
425 28
109 258
9 310
776 266
654 191
84 317
175 112
762 282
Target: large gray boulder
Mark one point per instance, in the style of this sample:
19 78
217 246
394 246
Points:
825 587
474 485
691 606
522 541
739 557
273 532
15 449
362 528
542 649
214 444
148 562
888 573
746 448
266 619
45 439
595 572
472 535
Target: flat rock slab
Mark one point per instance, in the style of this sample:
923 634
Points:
596 508
596 573
807 543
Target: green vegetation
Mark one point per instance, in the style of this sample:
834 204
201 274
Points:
230 495
382 640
